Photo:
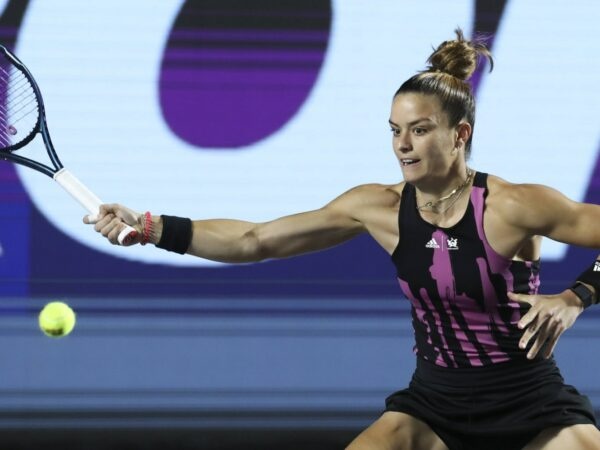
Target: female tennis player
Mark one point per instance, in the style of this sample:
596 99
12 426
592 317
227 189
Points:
466 246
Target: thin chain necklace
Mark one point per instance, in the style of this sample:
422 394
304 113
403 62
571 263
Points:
456 192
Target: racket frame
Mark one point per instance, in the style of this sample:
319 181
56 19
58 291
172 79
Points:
62 176
40 127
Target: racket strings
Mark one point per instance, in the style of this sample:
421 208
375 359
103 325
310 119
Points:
20 92
19 108
12 86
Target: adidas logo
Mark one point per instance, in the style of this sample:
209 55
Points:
433 244
597 266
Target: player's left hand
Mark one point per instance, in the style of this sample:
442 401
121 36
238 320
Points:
547 319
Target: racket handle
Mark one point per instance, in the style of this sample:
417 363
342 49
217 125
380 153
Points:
89 200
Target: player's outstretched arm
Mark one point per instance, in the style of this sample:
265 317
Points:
540 210
236 241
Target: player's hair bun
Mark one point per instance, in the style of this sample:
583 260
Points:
458 57
450 66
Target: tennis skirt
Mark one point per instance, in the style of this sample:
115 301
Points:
501 406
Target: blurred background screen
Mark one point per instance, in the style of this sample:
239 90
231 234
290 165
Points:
253 110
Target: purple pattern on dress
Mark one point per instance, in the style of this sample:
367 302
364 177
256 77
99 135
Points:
498 263
534 279
489 295
441 272
438 323
420 312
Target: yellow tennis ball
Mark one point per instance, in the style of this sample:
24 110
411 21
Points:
57 319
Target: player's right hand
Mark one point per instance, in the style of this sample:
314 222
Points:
110 222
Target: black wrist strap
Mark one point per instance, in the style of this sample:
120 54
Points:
584 293
591 277
176 234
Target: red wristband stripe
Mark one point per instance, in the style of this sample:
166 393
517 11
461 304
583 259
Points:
147 228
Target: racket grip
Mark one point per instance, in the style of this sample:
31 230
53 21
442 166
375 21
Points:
89 201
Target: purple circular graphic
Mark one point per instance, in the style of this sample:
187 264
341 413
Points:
234 72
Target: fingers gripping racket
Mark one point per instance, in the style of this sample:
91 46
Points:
22 116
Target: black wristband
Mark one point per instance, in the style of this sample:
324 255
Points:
591 277
584 293
176 234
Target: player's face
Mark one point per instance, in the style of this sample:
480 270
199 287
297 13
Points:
422 139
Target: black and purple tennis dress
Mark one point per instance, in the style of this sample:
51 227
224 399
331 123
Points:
457 285
472 380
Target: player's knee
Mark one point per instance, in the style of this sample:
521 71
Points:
572 437
396 431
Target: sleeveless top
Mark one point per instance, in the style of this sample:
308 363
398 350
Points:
457 285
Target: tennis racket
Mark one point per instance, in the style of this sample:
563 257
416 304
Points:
22 116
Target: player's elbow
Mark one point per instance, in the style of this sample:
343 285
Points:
252 248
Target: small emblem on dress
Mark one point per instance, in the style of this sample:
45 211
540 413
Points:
432 244
452 243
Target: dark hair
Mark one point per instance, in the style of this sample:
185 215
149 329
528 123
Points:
450 66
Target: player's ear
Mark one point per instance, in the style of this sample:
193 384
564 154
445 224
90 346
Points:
462 134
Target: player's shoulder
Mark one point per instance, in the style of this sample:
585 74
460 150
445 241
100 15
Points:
371 195
517 192
510 198
377 193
